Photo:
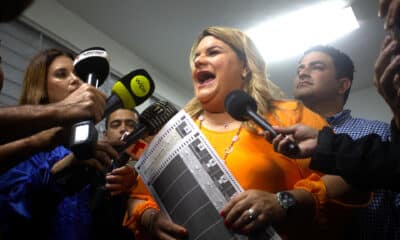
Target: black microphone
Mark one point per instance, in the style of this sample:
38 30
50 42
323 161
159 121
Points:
151 120
91 65
130 91
242 107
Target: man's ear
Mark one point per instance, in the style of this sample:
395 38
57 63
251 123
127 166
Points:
344 85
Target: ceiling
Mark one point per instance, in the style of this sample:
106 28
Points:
162 32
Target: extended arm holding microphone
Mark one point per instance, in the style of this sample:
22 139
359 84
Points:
242 107
56 118
85 102
91 65
367 163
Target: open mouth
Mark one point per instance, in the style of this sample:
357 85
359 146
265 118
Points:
205 77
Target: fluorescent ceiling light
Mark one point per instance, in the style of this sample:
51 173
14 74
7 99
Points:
292 34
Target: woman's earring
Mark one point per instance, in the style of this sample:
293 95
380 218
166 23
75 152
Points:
245 75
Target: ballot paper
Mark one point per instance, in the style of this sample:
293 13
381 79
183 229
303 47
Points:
189 181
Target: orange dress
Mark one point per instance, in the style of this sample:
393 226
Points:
253 161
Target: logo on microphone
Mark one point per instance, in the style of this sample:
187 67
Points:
140 85
90 54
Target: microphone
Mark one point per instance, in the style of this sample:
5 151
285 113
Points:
242 107
91 65
130 91
151 120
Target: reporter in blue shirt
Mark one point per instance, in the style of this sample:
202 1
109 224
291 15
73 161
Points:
46 196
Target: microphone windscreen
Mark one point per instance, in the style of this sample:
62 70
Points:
151 120
134 88
93 60
237 104
157 115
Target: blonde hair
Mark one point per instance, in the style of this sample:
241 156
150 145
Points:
34 87
257 85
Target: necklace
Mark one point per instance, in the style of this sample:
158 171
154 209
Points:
235 138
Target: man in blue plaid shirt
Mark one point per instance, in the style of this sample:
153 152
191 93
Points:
323 81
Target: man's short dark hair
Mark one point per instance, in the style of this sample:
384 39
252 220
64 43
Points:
108 116
344 66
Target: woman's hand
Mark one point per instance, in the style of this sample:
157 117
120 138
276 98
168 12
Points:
121 180
160 227
251 210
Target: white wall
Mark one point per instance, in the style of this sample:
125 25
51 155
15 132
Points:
52 18
367 103
62 24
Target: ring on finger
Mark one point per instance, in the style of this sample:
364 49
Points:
252 214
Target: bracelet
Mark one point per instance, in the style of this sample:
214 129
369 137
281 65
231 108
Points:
314 185
135 219
150 223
